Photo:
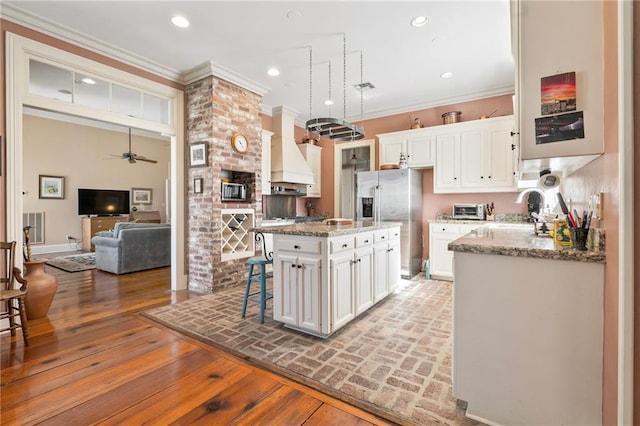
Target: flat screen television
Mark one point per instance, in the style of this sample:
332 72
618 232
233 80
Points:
103 202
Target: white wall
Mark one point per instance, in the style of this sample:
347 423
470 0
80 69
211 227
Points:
81 154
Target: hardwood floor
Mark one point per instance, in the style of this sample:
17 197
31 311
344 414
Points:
94 359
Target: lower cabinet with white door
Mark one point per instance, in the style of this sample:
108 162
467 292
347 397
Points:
440 235
321 283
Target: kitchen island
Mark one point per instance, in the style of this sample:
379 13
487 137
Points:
527 328
324 275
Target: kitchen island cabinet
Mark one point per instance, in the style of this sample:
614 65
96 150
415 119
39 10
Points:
527 328
324 275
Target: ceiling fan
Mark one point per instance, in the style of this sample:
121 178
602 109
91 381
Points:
132 156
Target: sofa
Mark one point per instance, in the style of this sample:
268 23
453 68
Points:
133 247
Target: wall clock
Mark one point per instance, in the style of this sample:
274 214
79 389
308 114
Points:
239 143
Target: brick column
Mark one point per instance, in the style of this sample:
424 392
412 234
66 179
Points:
216 109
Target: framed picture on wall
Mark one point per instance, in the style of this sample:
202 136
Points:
198 154
197 185
141 195
51 187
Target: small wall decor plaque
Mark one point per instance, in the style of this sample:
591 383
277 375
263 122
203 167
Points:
51 187
141 196
198 154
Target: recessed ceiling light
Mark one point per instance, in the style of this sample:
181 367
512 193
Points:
419 21
447 74
88 80
294 14
273 72
328 102
180 21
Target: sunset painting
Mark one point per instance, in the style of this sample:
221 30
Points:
558 93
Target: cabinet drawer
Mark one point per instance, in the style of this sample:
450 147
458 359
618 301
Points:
342 244
363 240
445 227
394 233
299 246
381 235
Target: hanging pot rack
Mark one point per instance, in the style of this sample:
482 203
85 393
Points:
334 128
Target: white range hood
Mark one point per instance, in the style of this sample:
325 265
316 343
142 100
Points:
287 162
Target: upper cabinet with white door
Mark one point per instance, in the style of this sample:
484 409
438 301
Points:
266 162
313 155
543 50
475 156
417 144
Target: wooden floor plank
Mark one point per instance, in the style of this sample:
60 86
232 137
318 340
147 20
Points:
328 415
231 403
184 395
122 398
286 406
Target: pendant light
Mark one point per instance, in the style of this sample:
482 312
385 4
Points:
335 128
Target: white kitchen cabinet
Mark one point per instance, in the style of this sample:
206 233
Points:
266 162
542 54
342 290
393 262
440 258
475 156
313 155
297 301
447 169
322 283
417 144
363 278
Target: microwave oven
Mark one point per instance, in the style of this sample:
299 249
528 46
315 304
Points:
234 192
468 211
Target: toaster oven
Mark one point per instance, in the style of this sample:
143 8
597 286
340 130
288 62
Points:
468 211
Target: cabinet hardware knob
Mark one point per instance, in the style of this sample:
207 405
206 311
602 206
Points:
390 250
299 266
345 245
512 133
489 177
296 247
366 241
293 265
481 177
359 260
382 238
444 229
455 178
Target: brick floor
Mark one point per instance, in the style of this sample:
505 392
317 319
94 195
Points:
394 360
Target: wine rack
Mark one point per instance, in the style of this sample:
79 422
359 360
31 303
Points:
237 240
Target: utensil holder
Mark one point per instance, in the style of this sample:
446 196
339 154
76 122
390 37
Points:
579 238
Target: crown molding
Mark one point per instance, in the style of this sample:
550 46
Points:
29 20
209 68
500 91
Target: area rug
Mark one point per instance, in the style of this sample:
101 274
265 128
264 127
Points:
74 262
394 360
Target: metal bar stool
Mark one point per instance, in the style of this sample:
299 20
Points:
260 277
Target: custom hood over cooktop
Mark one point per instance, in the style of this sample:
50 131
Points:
287 162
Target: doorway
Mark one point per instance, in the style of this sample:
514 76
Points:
350 158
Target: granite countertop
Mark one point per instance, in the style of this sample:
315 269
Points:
315 229
520 240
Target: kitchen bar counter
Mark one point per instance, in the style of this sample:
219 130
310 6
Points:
520 241
324 230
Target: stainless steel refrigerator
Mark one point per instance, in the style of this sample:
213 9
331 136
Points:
395 196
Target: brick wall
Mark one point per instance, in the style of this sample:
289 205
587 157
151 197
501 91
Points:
216 109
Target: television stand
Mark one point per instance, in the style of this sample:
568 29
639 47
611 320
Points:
95 224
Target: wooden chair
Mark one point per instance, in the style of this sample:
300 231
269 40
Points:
11 298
